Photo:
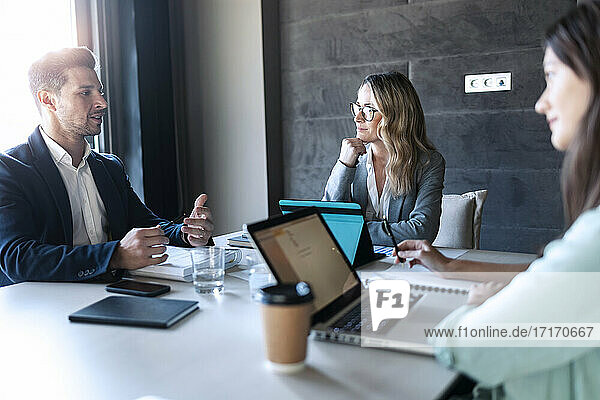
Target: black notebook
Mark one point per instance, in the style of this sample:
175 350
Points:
135 311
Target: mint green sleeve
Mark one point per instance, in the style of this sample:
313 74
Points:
561 287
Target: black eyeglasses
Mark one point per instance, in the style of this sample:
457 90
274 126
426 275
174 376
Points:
368 112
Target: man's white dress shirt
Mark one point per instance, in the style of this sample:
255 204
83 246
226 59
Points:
90 224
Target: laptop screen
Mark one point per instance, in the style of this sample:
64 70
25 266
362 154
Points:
303 250
345 221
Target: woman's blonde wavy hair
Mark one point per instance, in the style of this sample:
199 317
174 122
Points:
401 129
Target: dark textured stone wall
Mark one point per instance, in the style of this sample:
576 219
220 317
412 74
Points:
491 141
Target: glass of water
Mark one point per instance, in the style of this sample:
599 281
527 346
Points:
209 269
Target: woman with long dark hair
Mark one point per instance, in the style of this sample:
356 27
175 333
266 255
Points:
390 167
571 104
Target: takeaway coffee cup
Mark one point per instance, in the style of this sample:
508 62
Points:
285 312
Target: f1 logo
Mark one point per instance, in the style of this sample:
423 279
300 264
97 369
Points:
389 299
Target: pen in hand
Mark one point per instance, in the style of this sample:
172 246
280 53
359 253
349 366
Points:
388 231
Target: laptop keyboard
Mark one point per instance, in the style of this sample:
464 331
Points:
360 318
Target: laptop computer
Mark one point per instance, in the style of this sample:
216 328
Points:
346 222
301 247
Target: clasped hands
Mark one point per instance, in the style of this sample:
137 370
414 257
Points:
145 246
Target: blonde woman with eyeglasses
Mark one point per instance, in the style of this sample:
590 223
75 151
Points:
390 167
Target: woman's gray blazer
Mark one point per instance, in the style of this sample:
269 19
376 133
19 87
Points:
414 216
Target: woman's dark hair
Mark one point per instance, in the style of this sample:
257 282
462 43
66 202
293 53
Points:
575 39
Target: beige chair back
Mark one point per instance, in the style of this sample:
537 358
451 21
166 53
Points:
460 223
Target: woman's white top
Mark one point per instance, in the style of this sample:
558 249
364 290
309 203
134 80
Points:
377 207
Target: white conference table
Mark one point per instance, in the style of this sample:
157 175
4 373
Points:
214 353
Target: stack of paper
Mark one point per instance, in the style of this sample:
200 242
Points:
178 266
240 241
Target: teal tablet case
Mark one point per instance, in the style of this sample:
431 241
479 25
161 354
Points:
345 221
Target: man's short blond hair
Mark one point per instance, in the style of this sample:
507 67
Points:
49 72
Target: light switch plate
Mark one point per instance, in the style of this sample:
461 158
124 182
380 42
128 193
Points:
501 81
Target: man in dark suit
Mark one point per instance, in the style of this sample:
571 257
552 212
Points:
68 213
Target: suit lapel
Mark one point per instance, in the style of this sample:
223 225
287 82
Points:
49 172
395 210
360 194
115 212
